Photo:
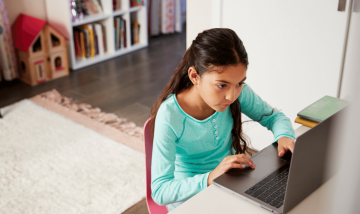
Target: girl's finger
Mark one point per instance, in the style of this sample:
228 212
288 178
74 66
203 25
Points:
246 160
281 150
291 147
234 165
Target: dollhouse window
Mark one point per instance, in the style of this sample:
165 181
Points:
58 64
54 40
23 67
37 45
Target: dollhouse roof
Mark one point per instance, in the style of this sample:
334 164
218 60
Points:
25 29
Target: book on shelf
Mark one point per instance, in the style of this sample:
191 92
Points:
116 5
82 42
125 37
320 110
120 33
136 25
87 43
121 30
77 43
137 33
305 122
99 39
132 33
135 29
103 38
89 40
96 42
323 108
116 33
136 3
98 6
91 7
81 8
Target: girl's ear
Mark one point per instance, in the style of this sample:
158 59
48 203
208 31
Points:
193 75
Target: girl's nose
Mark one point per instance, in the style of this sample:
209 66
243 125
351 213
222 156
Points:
230 95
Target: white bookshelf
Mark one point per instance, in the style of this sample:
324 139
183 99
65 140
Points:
58 14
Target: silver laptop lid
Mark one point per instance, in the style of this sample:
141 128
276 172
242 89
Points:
308 163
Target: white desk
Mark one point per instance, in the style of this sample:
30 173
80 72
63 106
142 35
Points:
214 200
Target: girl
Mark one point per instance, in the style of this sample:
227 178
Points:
197 119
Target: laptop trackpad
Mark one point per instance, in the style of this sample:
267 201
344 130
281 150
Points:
265 165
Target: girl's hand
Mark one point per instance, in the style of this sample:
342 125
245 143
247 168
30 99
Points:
285 144
231 161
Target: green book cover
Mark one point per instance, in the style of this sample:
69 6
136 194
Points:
323 108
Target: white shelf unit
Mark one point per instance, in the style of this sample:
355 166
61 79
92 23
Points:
59 15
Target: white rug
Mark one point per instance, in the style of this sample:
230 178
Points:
50 164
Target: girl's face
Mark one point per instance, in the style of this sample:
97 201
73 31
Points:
220 89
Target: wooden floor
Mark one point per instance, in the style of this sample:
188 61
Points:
127 85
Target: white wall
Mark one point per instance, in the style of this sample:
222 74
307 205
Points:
198 18
35 8
352 62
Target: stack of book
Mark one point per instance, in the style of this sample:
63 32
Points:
135 31
136 3
120 33
89 40
320 111
81 8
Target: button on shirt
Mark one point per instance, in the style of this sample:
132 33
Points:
186 150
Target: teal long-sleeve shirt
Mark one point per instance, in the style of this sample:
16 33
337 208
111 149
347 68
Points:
186 150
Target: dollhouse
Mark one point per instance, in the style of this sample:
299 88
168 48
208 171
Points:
41 50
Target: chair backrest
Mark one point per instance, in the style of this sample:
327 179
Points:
153 207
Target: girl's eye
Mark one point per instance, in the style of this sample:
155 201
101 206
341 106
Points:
222 86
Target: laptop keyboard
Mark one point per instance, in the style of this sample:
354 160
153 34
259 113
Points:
271 189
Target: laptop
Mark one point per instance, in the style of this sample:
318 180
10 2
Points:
279 184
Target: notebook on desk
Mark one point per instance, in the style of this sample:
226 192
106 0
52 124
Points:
279 184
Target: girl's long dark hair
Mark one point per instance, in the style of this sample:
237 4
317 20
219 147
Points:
211 48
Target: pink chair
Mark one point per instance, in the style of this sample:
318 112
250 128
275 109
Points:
153 207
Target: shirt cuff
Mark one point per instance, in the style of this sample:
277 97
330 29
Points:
283 135
205 179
